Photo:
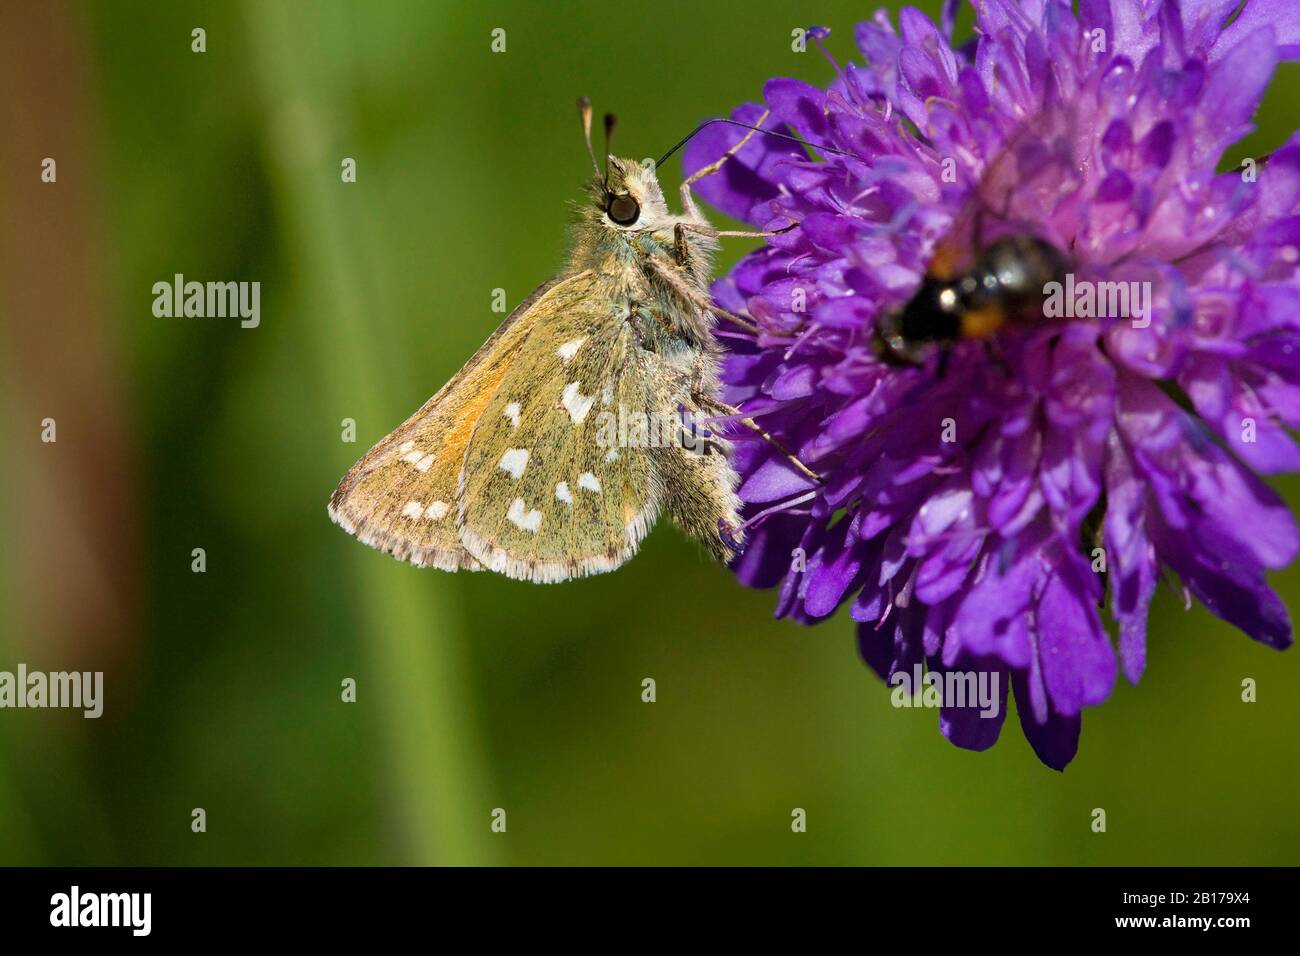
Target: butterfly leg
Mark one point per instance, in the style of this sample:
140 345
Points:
688 200
683 288
735 414
681 248
705 230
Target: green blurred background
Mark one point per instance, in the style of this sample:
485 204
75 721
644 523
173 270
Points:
474 692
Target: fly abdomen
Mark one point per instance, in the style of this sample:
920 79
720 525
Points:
1011 275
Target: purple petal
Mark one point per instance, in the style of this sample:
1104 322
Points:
1055 738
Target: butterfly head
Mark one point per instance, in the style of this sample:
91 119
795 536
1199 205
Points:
629 197
626 192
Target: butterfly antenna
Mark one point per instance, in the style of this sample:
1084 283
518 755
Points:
757 129
610 122
584 112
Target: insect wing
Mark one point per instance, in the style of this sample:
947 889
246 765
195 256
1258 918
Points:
401 496
551 489
1032 180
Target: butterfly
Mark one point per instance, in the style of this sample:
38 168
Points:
525 462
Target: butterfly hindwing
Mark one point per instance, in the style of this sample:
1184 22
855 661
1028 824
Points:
401 497
547 490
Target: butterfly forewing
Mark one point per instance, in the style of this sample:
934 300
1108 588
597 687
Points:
401 497
548 492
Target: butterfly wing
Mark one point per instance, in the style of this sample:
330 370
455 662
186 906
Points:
547 493
401 497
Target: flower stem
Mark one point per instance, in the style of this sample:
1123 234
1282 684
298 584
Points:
408 620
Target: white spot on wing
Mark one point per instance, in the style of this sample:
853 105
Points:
562 492
569 349
511 412
577 404
607 396
406 446
589 481
425 463
525 521
437 511
413 509
611 455
515 460
413 455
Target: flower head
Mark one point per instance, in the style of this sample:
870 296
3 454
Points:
981 509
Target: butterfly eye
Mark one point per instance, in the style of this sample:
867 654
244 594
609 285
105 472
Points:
622 210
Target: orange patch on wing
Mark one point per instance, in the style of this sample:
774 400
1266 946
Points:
983 322
485 389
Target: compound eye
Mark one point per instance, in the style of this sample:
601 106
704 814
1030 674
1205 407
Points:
623 210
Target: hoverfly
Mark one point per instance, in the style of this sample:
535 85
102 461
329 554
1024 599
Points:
989 271
1002 286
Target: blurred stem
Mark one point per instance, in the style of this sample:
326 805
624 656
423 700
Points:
411 627
18 846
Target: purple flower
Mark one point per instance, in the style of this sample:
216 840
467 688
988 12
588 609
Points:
981 509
